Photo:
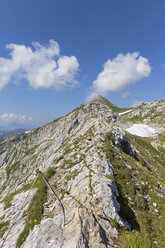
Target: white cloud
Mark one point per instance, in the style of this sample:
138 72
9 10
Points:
9 117
119 72
41 66
136 103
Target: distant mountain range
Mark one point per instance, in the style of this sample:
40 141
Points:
4 134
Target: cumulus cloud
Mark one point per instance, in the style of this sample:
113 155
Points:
42 66
9 117
119 72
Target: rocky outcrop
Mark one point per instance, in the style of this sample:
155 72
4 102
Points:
122 141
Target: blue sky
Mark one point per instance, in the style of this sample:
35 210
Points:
111 47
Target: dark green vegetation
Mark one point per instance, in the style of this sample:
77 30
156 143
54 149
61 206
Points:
161 140
3 228
34 213
140 198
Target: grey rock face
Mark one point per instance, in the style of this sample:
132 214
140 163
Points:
122 141
14 214
93 197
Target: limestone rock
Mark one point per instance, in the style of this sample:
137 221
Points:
84 178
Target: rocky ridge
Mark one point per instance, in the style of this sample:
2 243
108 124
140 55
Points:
91 159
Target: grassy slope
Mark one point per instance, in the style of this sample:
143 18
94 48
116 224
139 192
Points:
138 189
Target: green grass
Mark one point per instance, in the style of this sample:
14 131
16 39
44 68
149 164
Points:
34 212
68 164
135 239
72 175
154 158
114 224
10 169
3 228
31 151
109 177
148 227
8 199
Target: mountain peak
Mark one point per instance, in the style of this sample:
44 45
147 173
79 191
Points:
102 100
98 98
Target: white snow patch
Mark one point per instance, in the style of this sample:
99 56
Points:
141 130
125 112
29 131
